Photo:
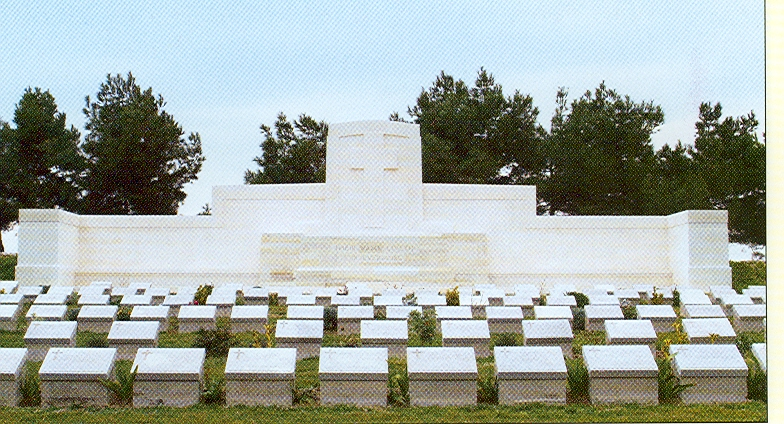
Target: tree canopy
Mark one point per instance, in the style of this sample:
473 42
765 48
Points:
477 135
40 161
294 153
138 158
600 160
728 155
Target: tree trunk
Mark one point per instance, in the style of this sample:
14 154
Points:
2 249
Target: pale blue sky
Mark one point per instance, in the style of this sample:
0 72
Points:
226 67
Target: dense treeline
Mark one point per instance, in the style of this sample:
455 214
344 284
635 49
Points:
134 158
596 158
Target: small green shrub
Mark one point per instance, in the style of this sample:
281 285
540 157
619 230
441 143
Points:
45 289
578 322
580 298
330 318
676 298
72 313
306 395
578 382
95 340
214 392
487 390
424 325
670 388
453 297
72 299
215 342
397 393
748 273
124 313
122 387
273 299
379 313
656 297
505 339
756 382
174 325
409 299
629 311
8 267
30 387
200 298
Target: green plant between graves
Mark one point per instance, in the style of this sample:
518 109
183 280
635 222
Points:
578 382
453 296
273 299
580 298
124 313
756 382
90 339
670 388
200 298
505 339
424 325
397 394
676 298
30 386
214 392
487 390
330 318
122 387
215 342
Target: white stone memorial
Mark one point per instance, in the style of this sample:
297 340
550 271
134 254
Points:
157 294
136 299
604 300
661 316
30 292
249 318
561 300
96 318
344 300
9 315
453 313
223 301
8 286
718 373
441 376
528 374
630 332
129 336
93 299
52 298
702 311
353 376
430 301
12 299
549 332
373 220
158 313
728 300
305 312
708 330
304 335
349 318
43 335
758 294
693 297
524 302
168 377
760 352
628 297
622 374
46 313
595 315
528 290
553 312
256 295
12 373
390 334
260 377
401 312
301 299
380 303
192 318
71 376
749 317
504 319
176 301
467 333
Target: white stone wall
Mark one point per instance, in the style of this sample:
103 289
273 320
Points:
373 220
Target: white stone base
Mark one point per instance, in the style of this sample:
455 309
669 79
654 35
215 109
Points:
394 349
349 326
755 324
663 325
354 392
102 326
511 392
65 393
643 390
36 352
505 326
442 392
243 326
9 392
714 390
481 346
259 392
165 393
127 351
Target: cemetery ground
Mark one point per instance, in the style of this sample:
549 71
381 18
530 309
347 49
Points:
306 394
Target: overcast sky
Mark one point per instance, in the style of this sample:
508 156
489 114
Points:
225 67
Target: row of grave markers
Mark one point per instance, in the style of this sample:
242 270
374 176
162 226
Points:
438 376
